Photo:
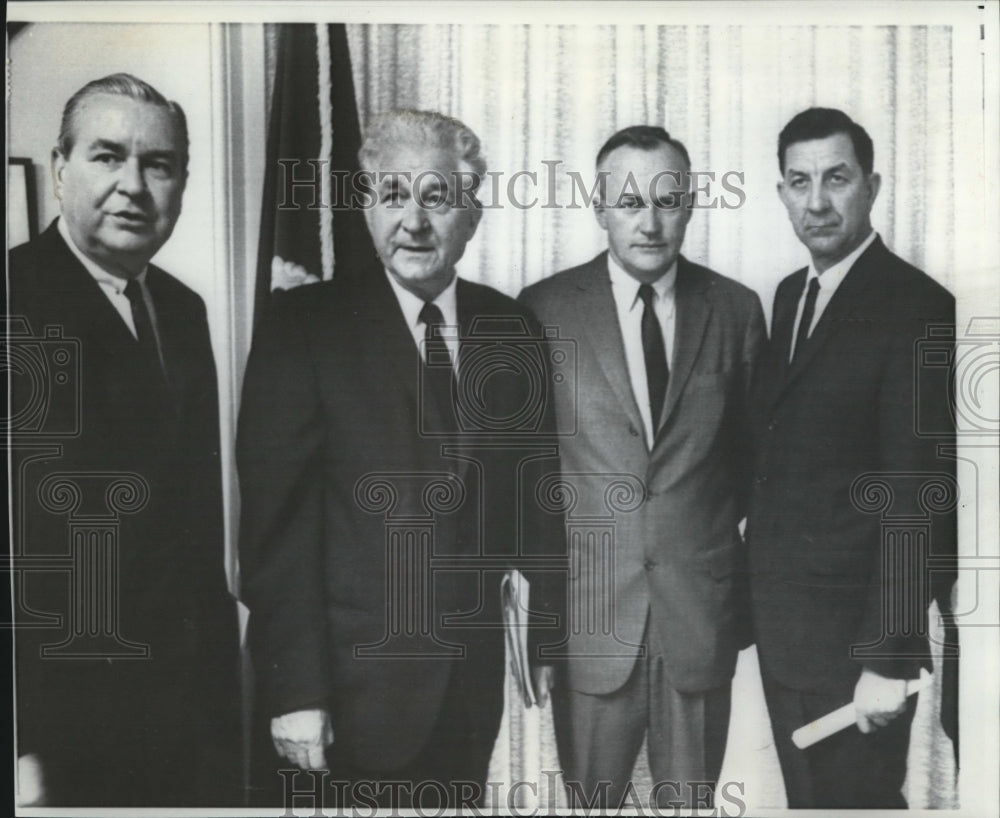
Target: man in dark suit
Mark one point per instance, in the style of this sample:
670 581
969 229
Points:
839 590
389 447
127 642
666 350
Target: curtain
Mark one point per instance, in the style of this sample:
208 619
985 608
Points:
540 93
543 98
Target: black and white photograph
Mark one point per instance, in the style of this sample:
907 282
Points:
503 408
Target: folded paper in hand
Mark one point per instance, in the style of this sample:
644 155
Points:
514 589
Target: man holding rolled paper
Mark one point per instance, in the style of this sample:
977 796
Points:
843 530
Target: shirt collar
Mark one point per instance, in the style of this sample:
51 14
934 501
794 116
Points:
100 275
629 287
832 276
411 305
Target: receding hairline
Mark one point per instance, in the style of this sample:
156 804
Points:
408 128
644 149
845 134
379 155
120 86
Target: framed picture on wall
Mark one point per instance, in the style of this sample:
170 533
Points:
22 202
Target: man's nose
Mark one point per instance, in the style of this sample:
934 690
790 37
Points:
818 201
414 216
130 178
649 220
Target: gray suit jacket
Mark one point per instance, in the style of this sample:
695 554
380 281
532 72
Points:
655 533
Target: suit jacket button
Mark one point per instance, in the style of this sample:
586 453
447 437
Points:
649 564
633 431
772 426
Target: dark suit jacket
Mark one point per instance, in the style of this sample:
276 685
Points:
350 503
845 408
122 730
678 557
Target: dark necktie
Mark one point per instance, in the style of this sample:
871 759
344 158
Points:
655 353
145 333
438 370
807 317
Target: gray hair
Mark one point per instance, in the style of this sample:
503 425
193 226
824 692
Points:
120 85
406 126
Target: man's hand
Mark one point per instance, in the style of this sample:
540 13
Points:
542 677
30 781
301 737
877 700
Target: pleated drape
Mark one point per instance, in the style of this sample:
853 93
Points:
540 94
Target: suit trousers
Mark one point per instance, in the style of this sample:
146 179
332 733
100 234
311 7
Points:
449 771
850 769
599 737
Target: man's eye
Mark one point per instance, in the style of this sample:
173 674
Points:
161 169
105 158
631 204
798 183
837 179
432 198
670 202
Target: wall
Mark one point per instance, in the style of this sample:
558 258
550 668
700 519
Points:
215 72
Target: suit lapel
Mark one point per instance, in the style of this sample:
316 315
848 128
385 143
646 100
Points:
384 331
841 306
172 330
600 328
692 309
782 326
83 295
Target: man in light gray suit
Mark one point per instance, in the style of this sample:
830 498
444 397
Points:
666 350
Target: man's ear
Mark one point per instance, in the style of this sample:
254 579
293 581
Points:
475 216
688 207
600 213
782 189
874 186
57 164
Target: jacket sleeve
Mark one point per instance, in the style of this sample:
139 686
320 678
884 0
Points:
915 422
280 446
545 526
754 341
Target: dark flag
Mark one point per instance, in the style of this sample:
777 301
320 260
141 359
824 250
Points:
312 145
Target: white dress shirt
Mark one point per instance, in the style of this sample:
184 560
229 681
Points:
630 307
829 281
411 305
113 286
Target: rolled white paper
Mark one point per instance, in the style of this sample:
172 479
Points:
844 717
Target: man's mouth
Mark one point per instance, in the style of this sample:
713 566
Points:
650 246
415 248
131 217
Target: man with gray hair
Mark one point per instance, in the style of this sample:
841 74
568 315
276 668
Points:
129 696
394 423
